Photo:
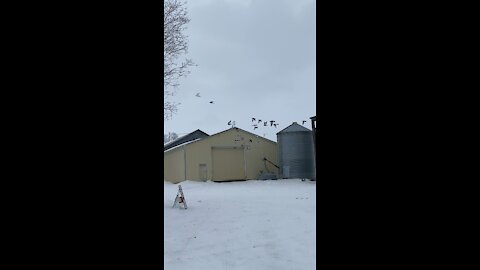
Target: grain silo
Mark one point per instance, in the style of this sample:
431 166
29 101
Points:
295 152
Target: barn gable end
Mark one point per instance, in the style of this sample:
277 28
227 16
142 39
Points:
233 154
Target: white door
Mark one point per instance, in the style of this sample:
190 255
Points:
203 171
286 171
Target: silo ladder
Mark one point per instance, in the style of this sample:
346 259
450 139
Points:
271 162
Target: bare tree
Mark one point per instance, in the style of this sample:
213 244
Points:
171 136
175 45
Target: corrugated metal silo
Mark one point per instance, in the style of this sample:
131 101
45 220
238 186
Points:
295 152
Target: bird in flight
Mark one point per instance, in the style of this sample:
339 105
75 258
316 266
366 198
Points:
265 124
275 125
197 95
303 122
255 127
230 122
271 122
253 119
211 102
259 120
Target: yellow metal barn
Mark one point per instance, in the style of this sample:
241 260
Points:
233 154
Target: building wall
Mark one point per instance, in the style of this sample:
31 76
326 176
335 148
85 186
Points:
173 165
201 152
254 157
228 163
235 147
198 153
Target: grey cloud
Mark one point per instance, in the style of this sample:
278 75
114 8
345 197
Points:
260 57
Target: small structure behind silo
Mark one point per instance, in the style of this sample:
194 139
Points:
295 152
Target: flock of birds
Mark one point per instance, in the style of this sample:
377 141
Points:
198 95
273 123
265 124
254 120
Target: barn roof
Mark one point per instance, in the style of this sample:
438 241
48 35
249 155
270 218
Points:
179 144
197 134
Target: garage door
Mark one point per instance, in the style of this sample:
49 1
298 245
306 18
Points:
228 164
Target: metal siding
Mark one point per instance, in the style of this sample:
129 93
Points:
254 158
198 153
228 164
296 152
173 165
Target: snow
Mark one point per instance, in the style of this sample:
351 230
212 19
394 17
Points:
241 225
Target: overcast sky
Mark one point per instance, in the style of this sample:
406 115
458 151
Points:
255 59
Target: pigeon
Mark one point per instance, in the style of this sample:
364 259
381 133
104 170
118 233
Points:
253 119
271 123
230 122
197 95
303 122
211 102
265 124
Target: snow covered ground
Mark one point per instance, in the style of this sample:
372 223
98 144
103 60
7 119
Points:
241 225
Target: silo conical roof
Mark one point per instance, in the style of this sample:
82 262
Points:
295 127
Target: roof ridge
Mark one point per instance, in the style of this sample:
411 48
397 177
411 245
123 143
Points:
243 131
